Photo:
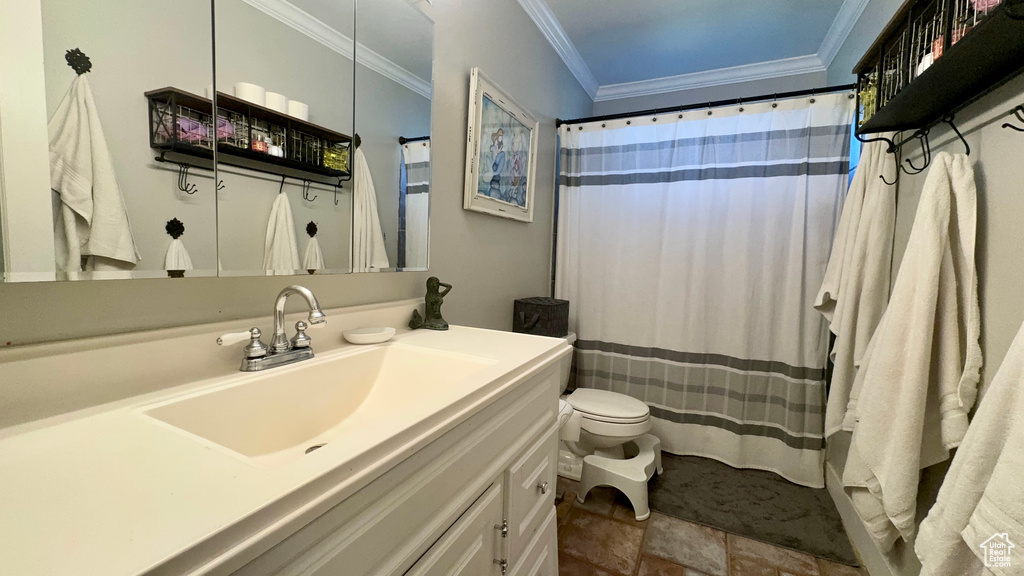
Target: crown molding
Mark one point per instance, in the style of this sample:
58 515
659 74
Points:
301 21
551 28
541 14
732 75
849 13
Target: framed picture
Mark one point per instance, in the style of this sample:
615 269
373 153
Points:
501 153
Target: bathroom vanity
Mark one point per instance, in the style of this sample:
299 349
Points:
431 454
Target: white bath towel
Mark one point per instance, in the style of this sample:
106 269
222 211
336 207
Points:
313 259
92 220
919 376
981 495
177 257
855 291
280 251
368 252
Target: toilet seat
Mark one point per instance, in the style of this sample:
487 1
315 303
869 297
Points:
608 407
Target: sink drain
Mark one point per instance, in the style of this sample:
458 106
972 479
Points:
315 447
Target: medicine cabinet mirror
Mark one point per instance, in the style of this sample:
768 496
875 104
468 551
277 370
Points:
83 194
393 95
285 89
152 183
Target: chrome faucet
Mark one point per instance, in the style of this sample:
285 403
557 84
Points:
282 351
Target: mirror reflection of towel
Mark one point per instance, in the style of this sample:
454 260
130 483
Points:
368 252
177 257
314 258
281 252
90 216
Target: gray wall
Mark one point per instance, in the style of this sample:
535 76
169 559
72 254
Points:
875 16
995 155
490 261
711 94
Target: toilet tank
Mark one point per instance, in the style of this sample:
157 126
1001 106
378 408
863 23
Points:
567 363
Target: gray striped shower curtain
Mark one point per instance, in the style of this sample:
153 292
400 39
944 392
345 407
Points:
691 250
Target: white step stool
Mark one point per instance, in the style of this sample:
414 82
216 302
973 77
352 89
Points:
629 476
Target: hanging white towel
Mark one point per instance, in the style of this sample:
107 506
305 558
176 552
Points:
919 376
280 251
313 258
177 257
368 252
980 495
92 219
855 291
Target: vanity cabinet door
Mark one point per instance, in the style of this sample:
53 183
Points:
531 492
472 546
541 557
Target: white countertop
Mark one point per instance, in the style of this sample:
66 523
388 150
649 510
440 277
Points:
115 492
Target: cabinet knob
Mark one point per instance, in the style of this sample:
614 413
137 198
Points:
543 487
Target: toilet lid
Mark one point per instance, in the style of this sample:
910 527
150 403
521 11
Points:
608 406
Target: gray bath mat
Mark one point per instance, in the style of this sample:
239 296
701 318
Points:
752 503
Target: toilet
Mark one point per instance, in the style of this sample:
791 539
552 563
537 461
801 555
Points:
604 441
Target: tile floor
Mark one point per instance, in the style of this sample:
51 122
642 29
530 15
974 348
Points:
602 538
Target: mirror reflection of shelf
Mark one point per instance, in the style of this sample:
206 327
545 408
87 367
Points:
247 135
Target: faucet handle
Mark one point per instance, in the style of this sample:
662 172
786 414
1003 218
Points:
301 340
255 349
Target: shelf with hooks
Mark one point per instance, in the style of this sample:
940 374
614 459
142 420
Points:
246 135
934 58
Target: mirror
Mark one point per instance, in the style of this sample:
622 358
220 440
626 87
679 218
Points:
151 182
393 91
83 195
285 88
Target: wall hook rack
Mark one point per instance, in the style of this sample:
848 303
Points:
1018 112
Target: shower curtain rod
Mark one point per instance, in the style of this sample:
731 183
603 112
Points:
716 104
404 140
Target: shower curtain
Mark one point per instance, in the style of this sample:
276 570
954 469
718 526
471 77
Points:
414 204
691 250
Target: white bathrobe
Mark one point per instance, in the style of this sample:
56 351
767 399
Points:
855 291
368 252
919 376
90 218
280 251
983 492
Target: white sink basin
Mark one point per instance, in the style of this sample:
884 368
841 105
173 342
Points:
278 416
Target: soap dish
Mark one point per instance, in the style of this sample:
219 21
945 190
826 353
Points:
369 335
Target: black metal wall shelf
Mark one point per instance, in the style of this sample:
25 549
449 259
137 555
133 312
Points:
182 123
984 57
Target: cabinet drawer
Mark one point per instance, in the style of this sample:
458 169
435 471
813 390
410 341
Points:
471 546
531 492
541 557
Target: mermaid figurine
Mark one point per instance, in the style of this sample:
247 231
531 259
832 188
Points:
434 299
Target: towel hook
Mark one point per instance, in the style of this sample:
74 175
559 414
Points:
926 151
1018 112
183 184
305 191
281 188
78 61
949 120
336 188
174 228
